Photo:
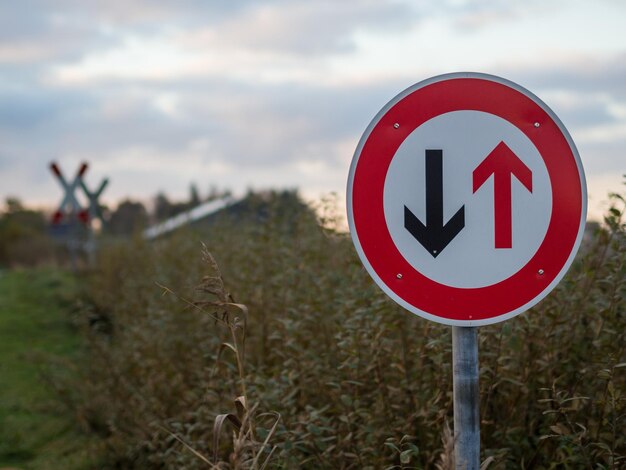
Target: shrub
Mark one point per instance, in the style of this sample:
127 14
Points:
358 382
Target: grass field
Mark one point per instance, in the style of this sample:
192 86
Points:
35 333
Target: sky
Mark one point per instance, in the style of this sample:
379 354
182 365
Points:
157 95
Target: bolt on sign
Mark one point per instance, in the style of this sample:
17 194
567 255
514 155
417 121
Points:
466 199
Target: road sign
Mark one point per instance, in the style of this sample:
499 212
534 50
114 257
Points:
69 205
95 212
466 199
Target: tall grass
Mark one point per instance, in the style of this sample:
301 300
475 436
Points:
190 381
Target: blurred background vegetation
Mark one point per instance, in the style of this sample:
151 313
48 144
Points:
272 348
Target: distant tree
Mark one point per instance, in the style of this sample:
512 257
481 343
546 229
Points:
129 217
216 193
13 204
23 237
21 220
194 197
162 207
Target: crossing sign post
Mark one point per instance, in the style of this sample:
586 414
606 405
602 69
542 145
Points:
466 204
71 209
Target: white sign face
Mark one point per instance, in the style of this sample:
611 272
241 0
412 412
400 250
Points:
466 199
471 259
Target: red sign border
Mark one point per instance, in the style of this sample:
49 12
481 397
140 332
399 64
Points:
377 147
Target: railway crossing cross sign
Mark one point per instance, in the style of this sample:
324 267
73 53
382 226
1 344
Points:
94 206
69 203
466 199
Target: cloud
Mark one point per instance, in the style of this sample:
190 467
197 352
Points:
588 93
23 110
580 73
271 42
323 27
276 93
38 34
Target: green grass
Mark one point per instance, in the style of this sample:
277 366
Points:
35 331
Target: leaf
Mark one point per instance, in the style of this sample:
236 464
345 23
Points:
241 406
488 461
574 398
229 346
414 448
514 382
346 400
266 441
559 429
187 446
405 457
392 446
313 429
218 359
217 429
611 389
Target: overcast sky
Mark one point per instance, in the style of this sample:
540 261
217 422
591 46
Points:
237 94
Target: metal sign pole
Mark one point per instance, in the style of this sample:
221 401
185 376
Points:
72 244
466 397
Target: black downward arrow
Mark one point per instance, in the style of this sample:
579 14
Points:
434 236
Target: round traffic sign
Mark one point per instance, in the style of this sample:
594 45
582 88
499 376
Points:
466 199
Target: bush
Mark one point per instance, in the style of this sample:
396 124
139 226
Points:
23 238
358 382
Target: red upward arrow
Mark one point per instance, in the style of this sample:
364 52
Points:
502 163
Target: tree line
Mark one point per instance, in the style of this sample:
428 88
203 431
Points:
27 236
